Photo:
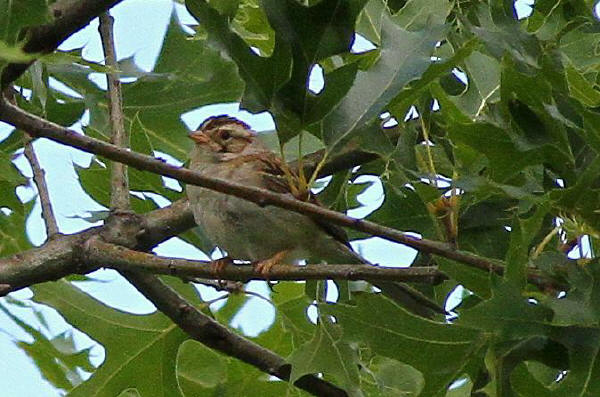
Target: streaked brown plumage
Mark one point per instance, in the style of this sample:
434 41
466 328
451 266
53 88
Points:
227 148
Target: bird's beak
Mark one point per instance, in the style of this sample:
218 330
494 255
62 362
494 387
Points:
199 137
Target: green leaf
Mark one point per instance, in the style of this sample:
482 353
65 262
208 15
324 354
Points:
291 319
440 160
519 329
522 233
581 89
525 384
10 178
8 171
436 70
547 19
529 113
404 56
95 180
195 75
72 61
199 367
505 159
581 305
395 378
251 24
57 358
262 76
17 15
403 209
525 331
483 74
313 34
369 20
317 31
14 54
130 393
475 280
225 7
580 47
417 14
502 34
483 226
337 83
439 351
54 105
13 235
579 198
135 345
326 352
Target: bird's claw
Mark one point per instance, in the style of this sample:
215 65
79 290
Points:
218 267
264 267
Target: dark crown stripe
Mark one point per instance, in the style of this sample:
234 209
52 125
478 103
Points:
219 121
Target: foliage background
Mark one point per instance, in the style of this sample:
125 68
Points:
510 107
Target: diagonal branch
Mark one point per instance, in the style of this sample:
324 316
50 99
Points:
46 38
39 178
214 335
40 181
44 128
99 253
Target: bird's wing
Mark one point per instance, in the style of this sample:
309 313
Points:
278 180
272 169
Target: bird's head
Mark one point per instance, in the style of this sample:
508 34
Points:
223 134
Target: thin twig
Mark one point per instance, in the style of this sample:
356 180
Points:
40 181
216 336
99 253
119 182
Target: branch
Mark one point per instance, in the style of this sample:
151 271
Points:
50 262
119 182
196 324
99 253
46 38
44 128
40 182
61 257
214 335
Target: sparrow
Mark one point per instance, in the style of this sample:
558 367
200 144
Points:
229 149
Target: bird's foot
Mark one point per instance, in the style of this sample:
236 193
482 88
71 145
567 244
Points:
264 267
218 266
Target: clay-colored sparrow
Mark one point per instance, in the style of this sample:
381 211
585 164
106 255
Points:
227 148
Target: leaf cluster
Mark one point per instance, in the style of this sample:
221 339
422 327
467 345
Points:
485 130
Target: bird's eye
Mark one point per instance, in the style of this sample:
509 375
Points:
224 135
